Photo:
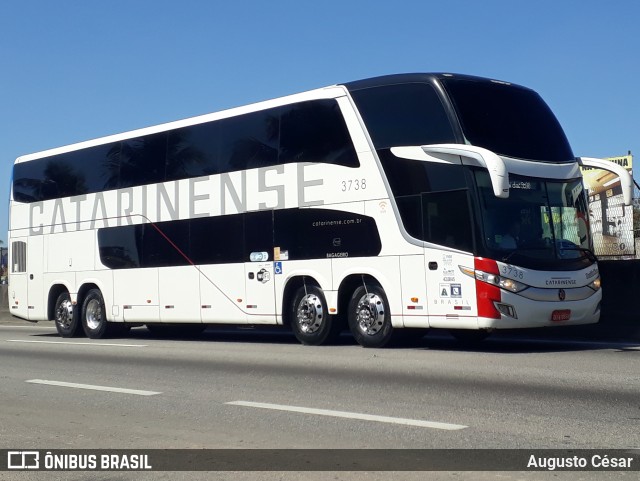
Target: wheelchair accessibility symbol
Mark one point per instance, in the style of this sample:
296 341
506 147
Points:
277 267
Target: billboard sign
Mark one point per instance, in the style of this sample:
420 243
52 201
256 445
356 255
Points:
611 220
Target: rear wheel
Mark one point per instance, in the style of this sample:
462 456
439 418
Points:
369 316
94 319
65 316
310 319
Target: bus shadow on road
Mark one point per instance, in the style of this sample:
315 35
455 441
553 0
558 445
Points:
504 343
499 343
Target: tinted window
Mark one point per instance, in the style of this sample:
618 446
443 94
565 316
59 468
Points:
121 247
303 234
312 131
508 120
210 240
431 200
217 240
410 208
258 233
249 141
316 132
193 151
65 175
320 233
29 182
403 114
408 177
441 218
447 219
142 160
166 244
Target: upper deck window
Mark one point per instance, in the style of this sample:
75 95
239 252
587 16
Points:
403 114
508 120
311 131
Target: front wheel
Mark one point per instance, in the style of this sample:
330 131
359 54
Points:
310 319
369 316
65 316
94 319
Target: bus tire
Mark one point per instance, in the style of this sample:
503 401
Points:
66 316
94 318
310 320
369 316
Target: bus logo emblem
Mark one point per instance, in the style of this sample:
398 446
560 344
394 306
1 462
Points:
562 295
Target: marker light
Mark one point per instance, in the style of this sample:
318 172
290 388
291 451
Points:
595 285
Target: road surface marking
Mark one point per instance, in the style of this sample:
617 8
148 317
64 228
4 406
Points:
28 326
349 415
77 343
93 388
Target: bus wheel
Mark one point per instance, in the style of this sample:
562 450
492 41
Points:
66 318
310 319
94 319
369 316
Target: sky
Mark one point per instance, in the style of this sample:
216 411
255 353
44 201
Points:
74 70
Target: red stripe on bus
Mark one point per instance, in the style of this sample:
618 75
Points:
487 294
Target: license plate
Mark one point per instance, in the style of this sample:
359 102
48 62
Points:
561 315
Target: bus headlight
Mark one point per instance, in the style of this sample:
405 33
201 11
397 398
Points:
496 280
595 285
511 285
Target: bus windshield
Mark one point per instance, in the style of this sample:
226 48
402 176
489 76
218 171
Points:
541 220
508 120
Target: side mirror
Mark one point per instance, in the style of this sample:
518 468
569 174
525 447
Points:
468 155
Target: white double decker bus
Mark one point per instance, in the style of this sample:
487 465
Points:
401 202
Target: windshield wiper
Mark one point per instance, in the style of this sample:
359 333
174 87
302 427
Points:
589 253
517 250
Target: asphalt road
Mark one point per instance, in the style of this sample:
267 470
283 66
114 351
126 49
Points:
229 389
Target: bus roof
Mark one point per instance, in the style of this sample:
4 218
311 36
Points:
331 91
418 77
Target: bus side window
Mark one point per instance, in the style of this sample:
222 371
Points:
316 132
447 220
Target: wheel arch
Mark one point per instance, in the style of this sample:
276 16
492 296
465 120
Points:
351 282
54 291
293 284
84 289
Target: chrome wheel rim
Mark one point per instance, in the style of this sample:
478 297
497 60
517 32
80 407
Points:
370 314
309 314
93 314
64 314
